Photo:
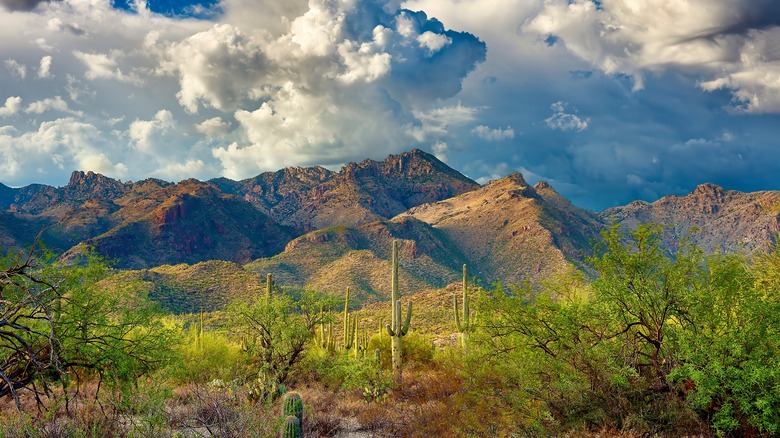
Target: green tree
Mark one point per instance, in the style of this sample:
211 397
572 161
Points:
279 329
730 360
641 293
59 322
109 331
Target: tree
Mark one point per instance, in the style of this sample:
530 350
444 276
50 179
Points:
641 291
57 322
29 345
730 348
278 329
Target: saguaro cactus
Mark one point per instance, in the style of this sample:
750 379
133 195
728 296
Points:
326 336
350 326
464 325
396 330
269 284
293 405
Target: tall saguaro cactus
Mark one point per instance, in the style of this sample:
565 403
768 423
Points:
396 330
347 324
464 325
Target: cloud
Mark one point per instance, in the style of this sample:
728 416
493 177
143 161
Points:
104 66
44 70
22 5
178 171
216 68
213 127
732 44
56 25
99 163
56 103
440 149
563 121
145 135
15 68
58 145
496 134
433 42
12 106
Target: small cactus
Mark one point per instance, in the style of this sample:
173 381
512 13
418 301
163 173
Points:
291 428
269 285
293 405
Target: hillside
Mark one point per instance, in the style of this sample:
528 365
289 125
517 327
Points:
186 223
185 288
334 258
511 231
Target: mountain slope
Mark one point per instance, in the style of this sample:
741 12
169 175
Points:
331 259
511 232
187 223
723 219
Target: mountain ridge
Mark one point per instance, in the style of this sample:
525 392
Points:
317 228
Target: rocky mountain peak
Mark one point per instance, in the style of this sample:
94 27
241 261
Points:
92 185
543 185
709 191
516 178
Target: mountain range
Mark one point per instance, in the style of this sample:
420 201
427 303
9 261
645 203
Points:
316 228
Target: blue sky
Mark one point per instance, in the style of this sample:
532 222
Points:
609 102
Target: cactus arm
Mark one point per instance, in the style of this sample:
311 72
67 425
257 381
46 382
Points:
457 314
405 328
389 330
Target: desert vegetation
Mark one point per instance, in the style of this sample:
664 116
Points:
646 342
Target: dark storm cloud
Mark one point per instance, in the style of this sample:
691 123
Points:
22 5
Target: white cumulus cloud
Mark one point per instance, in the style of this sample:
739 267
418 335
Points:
493 134
12 106
565 121
733 44
44 69
15 68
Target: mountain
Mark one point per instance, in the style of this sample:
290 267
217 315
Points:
154 222
505 231
186 222
313 198
511 231
725 220
327 230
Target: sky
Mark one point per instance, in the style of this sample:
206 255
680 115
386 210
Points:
610 101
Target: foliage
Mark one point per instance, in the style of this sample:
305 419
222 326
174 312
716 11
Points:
29 344
57 324
207 356
278 330
116 335
731 348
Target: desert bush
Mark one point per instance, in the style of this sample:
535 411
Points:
207 356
